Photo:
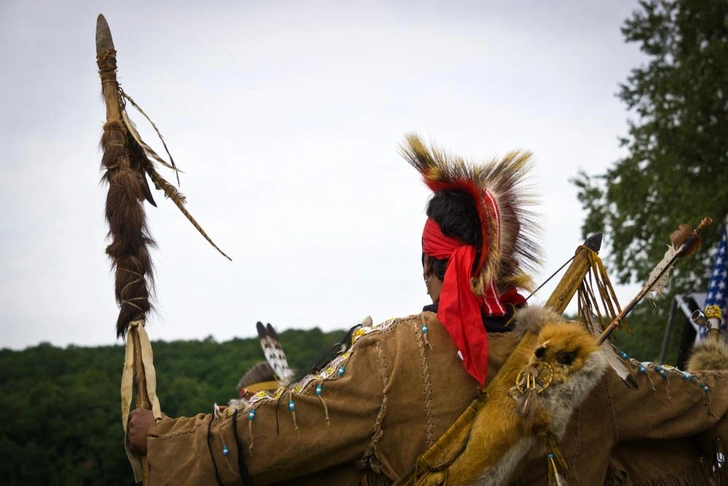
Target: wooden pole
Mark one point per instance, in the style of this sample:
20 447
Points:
574 275
125 215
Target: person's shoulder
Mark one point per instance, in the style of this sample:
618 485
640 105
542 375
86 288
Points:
405 327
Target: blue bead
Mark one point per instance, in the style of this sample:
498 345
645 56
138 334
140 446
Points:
623 355
225 450
641 369
291 406
341 371
424 328
318 390
251 415
658 368
550 455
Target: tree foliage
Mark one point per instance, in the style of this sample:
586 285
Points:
677 143
60 421
678 140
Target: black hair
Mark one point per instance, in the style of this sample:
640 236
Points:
457 216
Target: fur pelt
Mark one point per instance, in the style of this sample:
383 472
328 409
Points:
130 238
709 354
513 424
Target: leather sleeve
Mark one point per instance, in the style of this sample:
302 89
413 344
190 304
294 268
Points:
386 400
669 403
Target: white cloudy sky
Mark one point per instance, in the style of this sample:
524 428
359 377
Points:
286 117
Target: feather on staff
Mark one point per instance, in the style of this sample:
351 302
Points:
684 242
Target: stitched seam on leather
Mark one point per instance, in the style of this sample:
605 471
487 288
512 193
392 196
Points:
426 385
384 375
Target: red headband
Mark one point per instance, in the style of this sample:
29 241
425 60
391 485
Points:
459 309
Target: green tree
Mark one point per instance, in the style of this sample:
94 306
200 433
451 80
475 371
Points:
676 167
60 410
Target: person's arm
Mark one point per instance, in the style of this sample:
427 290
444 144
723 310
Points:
668 403
281 441
398 390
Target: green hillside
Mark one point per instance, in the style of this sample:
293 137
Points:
60 408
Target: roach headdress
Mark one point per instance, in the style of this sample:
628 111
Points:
509 252
482 275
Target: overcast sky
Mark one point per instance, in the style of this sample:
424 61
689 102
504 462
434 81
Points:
286 117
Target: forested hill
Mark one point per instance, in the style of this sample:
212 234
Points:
60 408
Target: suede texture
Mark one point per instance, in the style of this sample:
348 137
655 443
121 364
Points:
401 390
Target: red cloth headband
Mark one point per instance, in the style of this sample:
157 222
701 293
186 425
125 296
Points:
459 309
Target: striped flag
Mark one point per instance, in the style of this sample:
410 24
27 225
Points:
718 286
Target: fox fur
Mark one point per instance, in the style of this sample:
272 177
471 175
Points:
711 354
506 431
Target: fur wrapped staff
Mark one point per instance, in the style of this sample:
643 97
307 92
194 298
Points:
128 161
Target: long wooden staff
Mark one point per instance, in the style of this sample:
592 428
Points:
128 161
130 239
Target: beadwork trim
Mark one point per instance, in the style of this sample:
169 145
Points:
335 369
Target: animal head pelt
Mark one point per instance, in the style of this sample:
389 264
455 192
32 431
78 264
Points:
533 397
566 363
509 252
565 347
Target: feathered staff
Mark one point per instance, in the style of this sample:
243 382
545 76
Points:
684 241
128 161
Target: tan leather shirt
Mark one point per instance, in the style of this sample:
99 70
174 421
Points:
399 389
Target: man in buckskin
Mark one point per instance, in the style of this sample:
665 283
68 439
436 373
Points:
371 412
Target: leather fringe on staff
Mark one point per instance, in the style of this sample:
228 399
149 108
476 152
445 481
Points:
127 162
130 239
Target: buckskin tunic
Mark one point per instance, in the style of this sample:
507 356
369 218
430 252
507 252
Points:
368 415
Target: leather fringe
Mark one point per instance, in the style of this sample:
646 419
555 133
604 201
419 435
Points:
702 473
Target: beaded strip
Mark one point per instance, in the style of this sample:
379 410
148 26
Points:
336 369
665 371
